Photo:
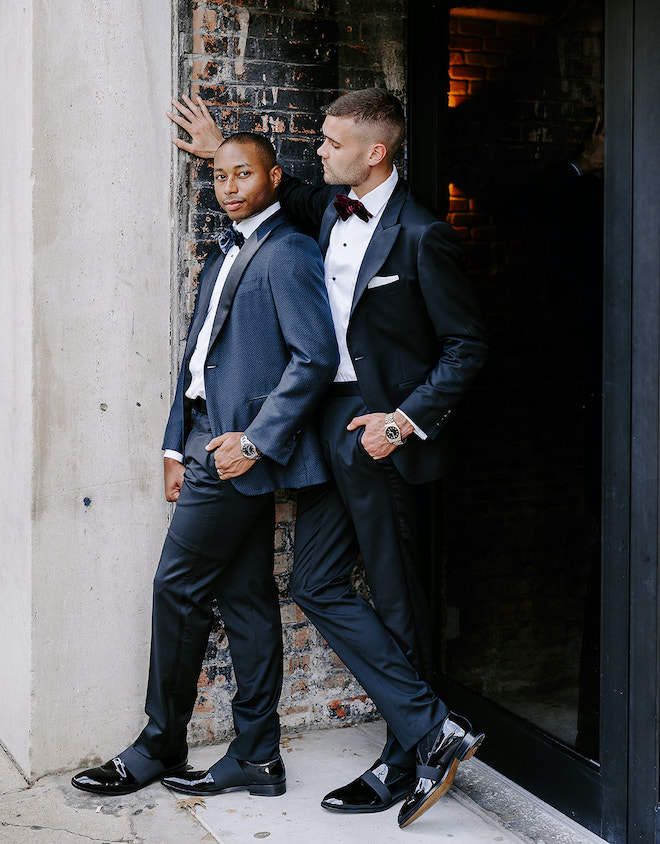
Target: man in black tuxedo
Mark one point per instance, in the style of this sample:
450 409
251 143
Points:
410 341
252 374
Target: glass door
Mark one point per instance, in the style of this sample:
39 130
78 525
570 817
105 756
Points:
517 561
524 159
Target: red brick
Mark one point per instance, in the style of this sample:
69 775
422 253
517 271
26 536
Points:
198 17
465 72
302 639
282 562
497 74
474 26
203 704
498 45
198 43
284 510
459 42
291 710
458 205
468 220
478 59
457 87
475 87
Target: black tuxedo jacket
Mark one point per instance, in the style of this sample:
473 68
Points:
417 340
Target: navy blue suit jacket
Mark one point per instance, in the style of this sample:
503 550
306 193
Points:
417 342
272 355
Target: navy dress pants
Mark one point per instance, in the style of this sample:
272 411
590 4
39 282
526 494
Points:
369 508
219 544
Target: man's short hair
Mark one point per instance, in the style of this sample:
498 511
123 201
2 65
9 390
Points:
375 106
263 145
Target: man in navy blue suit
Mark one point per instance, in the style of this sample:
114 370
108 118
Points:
260 354
411 342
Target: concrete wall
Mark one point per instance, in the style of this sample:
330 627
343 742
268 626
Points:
16 270
85 369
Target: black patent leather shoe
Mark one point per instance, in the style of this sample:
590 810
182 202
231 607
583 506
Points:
374 791
115 778
261 779
438 757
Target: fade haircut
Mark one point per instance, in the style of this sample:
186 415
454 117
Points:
373 106
261 143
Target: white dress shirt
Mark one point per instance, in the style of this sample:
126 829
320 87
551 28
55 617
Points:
348 244
349 240
196 366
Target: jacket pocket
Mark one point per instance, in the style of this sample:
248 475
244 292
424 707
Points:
382 281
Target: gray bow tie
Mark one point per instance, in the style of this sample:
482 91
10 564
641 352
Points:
228 237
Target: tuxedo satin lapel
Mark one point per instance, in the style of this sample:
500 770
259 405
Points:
207 283
382 241
327 222
247 252
379 248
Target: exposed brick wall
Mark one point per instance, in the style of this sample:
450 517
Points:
270 67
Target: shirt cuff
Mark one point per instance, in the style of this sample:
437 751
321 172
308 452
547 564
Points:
174 455
417 431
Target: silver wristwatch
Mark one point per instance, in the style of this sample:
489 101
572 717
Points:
249 449
392 430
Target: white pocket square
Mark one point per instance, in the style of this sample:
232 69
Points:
381 280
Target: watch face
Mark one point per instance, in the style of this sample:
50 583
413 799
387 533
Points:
392 433
248 449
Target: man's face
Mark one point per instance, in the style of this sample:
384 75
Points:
244 184
345 152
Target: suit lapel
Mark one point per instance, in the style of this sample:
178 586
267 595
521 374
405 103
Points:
327 222
247 252
211 270
381 242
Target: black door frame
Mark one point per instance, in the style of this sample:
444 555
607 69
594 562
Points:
618 799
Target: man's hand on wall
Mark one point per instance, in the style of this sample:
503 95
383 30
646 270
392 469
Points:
195 119
229 460
173 471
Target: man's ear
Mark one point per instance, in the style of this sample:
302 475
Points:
378 153
276 176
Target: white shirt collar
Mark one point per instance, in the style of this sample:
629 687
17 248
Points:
250 224
375 200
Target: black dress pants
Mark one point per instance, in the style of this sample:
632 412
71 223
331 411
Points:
219 544
369 508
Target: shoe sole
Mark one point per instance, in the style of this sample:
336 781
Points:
275 790
444 785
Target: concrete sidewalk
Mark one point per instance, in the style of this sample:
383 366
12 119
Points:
482 807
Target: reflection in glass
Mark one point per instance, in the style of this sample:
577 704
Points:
521 592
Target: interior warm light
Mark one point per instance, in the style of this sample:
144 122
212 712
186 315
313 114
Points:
500 15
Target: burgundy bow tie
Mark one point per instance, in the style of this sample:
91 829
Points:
345 206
